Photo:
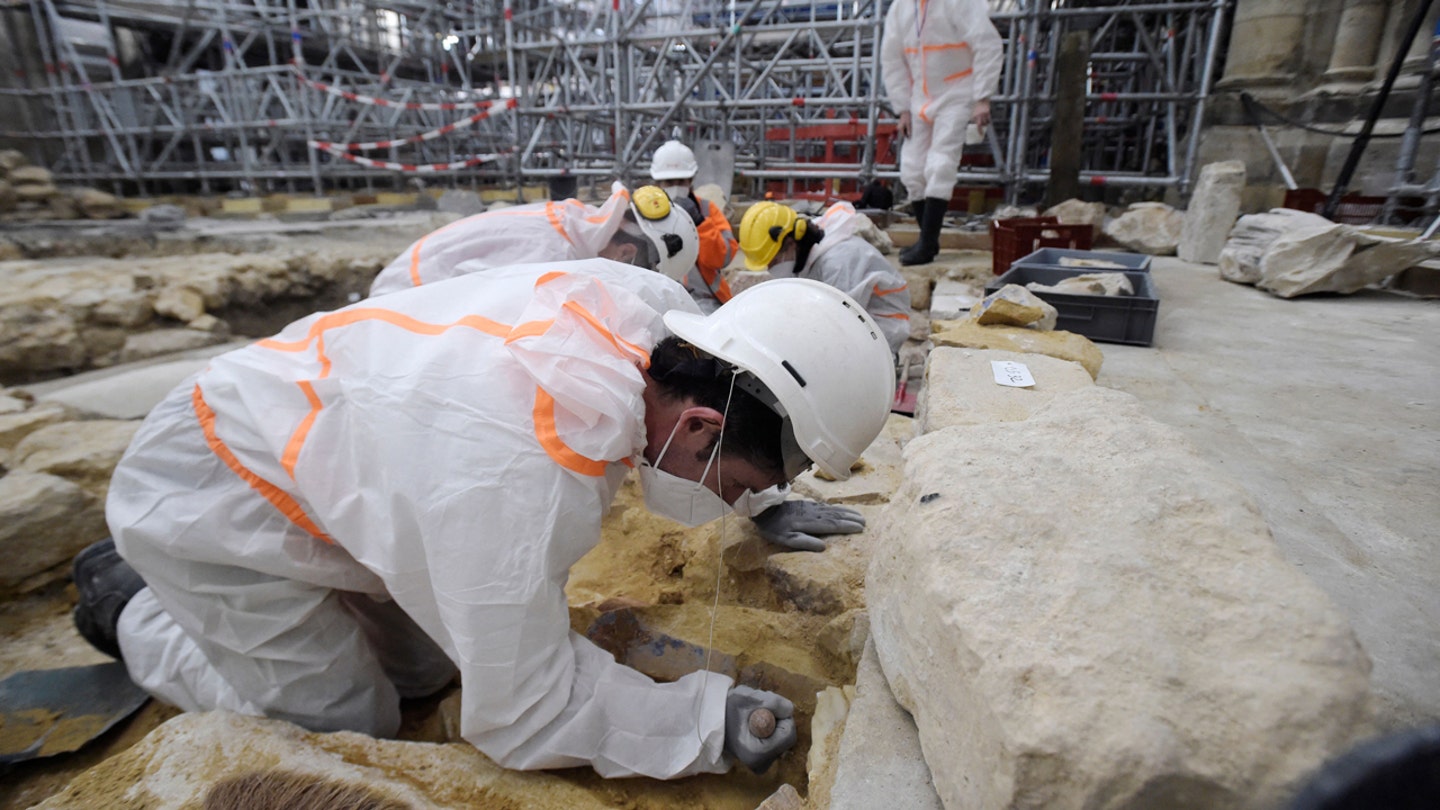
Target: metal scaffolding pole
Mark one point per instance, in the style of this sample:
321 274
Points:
372 91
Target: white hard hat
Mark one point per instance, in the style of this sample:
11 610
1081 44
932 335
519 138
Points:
817 351
669 228
673 161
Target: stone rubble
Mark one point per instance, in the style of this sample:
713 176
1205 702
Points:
1290 253
1013 305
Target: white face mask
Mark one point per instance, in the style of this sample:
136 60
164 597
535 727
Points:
680 499
677 192
783 269
749 504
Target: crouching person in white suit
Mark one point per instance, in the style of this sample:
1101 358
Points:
383 496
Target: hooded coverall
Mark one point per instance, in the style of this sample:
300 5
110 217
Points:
540 232
706 281
849 263
382 495
938 57
548 231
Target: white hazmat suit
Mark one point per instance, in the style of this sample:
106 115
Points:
938 57
379 496
540 232
850 264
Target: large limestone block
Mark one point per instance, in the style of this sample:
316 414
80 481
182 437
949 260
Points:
44 522
83 452
1291 269
1152 228
1058 344
960 388
177 765
1253 234
1212 212
880 763
1081 611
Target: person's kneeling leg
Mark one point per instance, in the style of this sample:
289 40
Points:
255 644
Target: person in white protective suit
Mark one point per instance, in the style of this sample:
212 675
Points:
642 229
673 167
776 238
382 496
940 60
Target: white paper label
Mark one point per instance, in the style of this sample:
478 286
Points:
1011 373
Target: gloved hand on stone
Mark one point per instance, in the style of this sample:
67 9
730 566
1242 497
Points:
794 524
741 741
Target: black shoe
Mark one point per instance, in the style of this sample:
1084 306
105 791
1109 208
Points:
106 583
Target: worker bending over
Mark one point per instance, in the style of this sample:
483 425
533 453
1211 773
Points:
773 236
673 168
642 229
348 513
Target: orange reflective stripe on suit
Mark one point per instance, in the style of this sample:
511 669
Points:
546 432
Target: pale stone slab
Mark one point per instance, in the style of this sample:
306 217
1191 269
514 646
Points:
177 765
44 522
1212 212
180 302
1058 344
1081 611
880 762
156 342
1152 228
83 452
960 388
952 298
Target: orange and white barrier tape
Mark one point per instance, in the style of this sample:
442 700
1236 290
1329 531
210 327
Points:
424 136
385 102
419 168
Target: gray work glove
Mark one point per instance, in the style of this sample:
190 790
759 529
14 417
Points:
794 524
741 743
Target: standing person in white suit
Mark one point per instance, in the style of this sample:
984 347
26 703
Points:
386 495
941 63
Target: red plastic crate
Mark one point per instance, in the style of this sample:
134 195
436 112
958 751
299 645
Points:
1354 209
1011 239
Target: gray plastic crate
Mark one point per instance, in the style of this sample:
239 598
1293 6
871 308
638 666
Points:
1050 257
1128 319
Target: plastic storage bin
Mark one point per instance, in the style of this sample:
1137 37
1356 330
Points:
1012 238
1054 257
1128 319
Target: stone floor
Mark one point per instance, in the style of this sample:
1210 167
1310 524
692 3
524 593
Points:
1327 409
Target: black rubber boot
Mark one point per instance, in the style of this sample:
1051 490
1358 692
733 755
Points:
106 583
928 245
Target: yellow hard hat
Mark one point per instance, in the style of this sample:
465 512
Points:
763 230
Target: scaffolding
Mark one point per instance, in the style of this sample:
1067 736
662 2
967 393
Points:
152 96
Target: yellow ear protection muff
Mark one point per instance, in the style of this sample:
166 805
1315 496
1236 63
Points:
777 232
651 202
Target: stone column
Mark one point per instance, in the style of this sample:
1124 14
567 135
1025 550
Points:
1265 42
1357 41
